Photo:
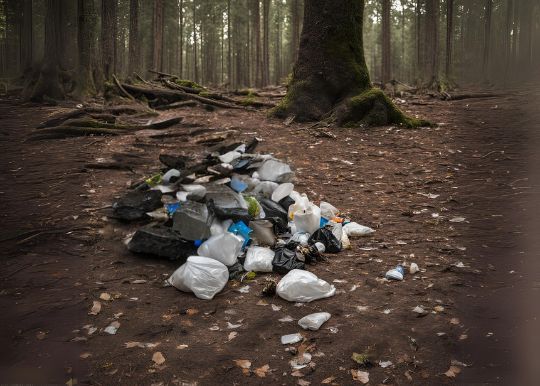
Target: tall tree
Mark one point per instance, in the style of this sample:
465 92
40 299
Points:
87 38
266 43
487 35
449 37
256 38
157 33
295 29
432 42
27 41
330 75
108 36
49 84
386 47
134 44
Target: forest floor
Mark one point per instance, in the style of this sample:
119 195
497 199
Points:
458 199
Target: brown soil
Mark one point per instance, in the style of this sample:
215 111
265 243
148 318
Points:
60 253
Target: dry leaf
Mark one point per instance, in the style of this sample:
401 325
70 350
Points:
232 335
408 375
361 376
262 303
105 296
452 372
41 335
303 382
463 336
96 308
244 364
85 355
438 308
192 311
297 373
454 321
328 380
158 358
261 371
181 346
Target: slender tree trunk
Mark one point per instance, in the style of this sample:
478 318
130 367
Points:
277 58
386 70
432 41
181 70
266 42
418 41
508 37
295 30
229 51
87 38
256 25
26 41
487 36
449 37
402 61
157 29
195 57
49 84
134 50
108 36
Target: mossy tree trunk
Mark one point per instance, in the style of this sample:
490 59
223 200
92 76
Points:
49 83
330 77
87 38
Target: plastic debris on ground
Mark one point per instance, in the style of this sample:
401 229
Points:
314 321
238 211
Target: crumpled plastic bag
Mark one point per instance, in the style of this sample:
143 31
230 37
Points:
354 229
325 236
314 321
259 259
328 210
303 286
203 276
224 248
285 260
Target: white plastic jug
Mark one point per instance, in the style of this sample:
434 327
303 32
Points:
308 220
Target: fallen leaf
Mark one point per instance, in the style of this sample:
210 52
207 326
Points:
463 336
244 364
457 219
112 328
232 335
361 359
132 344
105 296
328 380
85 355
40 335
158 358
454 321
231 326
192 311
452 372
261 371
181 346
96 308
303 382
262 303
438 308
297 374
408 375
362 376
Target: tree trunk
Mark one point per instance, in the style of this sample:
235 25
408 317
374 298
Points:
330 75
256 35
266 43
449 37
386 69
432 42
295 30
134 51
508 37
195 57
157 30
87 38
181 38
487 36
26 41
108 36
229 52
49 84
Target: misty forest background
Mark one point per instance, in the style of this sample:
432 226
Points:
253 43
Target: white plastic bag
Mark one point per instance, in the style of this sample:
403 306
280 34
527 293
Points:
328 210
345 242
203 276
314 321
225 248
274 170
259 259
303 286
354 229
308 220
219 227
282 191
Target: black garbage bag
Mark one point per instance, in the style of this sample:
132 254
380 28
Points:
286 202
325 236
273 209
235 214
162 241
173 161
285 260
135 204
236 271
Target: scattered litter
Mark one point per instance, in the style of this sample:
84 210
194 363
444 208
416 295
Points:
413 268
275 308
385 364
457 219
244 364
420 311
182 346
314 321
244 289
262 371
396 273
303 286
361 376
286 319
300 361
112 328
105 296
96 308
231 326
291 338
232 335
203 276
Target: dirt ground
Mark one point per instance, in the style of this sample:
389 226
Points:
459 199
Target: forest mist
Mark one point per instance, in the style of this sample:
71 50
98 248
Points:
253 43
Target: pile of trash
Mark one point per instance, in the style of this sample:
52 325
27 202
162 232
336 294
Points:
231 214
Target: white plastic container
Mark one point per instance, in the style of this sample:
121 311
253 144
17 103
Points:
203 276
308 220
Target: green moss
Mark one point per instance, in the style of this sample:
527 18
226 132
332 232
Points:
189 83
249 99
294 93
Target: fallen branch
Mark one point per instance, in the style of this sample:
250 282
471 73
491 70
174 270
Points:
177 105
457 97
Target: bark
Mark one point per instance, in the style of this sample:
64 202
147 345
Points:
330 74
134 51
487 35
229 51
295 30
108 37
266 43
49 84
432 42
181 58
195 58
86 37
157 28
386 48
449 37
256 36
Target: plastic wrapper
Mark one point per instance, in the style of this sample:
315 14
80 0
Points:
203 276
303 286
354 229
259 259
314 321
